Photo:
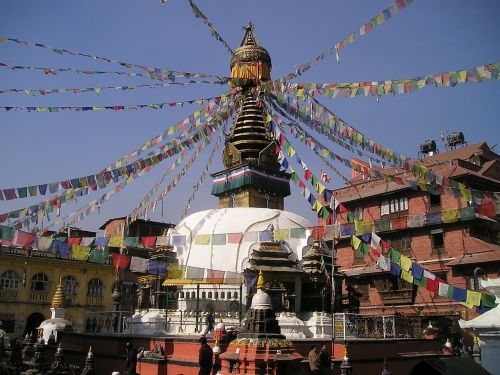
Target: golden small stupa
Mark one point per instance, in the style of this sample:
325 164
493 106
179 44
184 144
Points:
58 299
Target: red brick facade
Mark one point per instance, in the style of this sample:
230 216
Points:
452 251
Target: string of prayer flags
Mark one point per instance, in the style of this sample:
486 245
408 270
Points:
199 183
315 114
198 14
401 266
140 210
379 19
45 207
98 90
154 73
392 87
118 169
162 105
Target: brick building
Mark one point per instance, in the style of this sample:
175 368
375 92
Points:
415 223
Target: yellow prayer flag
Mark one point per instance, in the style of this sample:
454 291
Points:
317 206
450 216
325 153
175 271
202 239
281 234
321 188
422 185
462 75
405 275
79 252
291 151
355 242
473 298
405 263
115 242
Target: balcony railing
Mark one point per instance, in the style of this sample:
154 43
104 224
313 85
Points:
8 295
39 296
94 300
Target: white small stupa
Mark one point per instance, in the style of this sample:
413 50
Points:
57 322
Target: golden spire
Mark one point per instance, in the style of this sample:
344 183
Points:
58 299
260 280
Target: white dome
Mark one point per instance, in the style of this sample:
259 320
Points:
261 301
230 257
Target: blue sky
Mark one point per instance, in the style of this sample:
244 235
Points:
427 37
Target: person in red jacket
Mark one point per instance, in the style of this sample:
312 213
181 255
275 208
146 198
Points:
205 358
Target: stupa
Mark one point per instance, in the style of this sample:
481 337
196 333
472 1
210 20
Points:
57 322
261 348
251 190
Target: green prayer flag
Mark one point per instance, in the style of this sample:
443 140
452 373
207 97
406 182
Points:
218 239
394 256
488 300
6 233
98 256
131 241
297 232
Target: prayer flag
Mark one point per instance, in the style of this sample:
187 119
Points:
405 263
131 241
98 256
195 273
219 239
384 263
79 252
157 268
488 300
443 289
355 242
202 239
175 271
234 237
121 261
115 242
473 298
459 294
215 277
395 269
138 264
148 242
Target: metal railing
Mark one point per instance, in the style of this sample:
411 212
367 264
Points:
376 327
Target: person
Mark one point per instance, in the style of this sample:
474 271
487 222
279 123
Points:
210 322
205 358
131 359
313 360
324 361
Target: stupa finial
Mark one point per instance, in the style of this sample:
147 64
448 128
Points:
58 299
260 280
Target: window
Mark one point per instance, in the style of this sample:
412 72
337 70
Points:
181 295
203 294
401 242
95 288
434 200
193 295
384 208
216 295
394 290
358 213
473 279
40 283
9 280
69 285
394 207
209 294
222 295
235 295
437 241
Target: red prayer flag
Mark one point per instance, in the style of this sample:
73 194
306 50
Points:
148 242
121 261
432 285
215 277
486 209
234 237
24 239
74 240
317 232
